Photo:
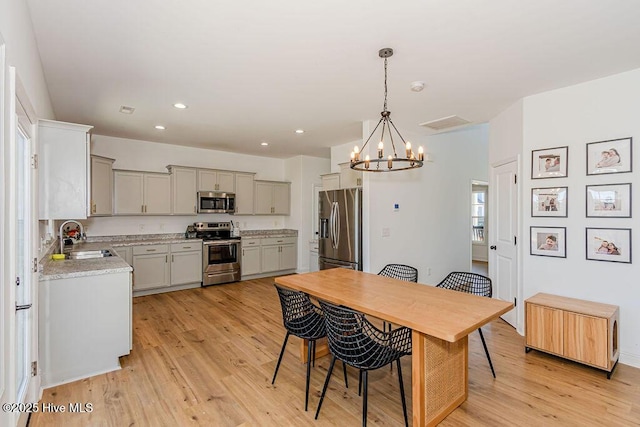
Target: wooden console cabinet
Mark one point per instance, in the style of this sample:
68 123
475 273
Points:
582 331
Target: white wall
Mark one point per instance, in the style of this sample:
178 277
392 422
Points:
20 51
303 172
599 110
430 231
505 134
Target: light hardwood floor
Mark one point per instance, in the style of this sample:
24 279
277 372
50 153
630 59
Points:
205 357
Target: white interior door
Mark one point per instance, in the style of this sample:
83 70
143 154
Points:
503 232
19 237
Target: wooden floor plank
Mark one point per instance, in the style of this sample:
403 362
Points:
205 357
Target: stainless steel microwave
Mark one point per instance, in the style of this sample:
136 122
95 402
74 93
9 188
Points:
216 202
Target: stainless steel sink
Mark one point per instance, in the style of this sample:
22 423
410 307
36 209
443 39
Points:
89 254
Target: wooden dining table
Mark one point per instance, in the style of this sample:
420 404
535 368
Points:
441 321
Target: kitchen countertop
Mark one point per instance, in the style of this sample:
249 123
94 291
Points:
282 232
61 269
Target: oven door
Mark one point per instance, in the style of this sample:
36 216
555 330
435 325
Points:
221 262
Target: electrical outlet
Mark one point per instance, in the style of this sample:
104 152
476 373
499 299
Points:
141 227
386 232
161 227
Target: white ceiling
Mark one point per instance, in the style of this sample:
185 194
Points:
254 70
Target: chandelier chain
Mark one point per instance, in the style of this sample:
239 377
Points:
385 85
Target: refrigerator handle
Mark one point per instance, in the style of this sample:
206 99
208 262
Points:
336 222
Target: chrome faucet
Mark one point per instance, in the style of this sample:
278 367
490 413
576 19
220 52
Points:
62 230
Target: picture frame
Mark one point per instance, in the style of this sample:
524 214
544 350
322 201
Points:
548 241
549 201
549 163
608 201
608 244
612 156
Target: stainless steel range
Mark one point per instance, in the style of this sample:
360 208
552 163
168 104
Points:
220 254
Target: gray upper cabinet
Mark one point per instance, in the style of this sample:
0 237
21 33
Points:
141 193
216 180
183 190
244 193
272 198
101 197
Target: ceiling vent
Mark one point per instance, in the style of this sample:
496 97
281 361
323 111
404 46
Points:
445 123
127 110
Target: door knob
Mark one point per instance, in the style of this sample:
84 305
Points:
493 248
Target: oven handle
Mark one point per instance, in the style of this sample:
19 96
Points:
220 242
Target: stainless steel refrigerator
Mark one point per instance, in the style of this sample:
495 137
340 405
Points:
340 240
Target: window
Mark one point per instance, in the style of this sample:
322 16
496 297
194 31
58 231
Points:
478 198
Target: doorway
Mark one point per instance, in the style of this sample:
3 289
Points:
479 229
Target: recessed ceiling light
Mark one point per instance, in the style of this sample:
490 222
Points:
180 105
127 110
264 143
160 127
299 130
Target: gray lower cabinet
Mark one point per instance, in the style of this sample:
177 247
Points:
165 265
269 254
186 263
151 267
250 260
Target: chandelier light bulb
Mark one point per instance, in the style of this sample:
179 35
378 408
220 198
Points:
420 153
408 148
389 162
366 161
380 149
356 153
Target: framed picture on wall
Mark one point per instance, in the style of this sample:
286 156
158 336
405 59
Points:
549 241
613 156
609 244
549 163
609 200
551 201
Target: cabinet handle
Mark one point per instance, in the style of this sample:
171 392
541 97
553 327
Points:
171 257
166 259
142 208
186 247
151 250
279 241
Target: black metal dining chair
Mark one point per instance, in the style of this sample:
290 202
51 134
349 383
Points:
358 343
400 272
471 283
305 320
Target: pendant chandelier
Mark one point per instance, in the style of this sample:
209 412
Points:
392 162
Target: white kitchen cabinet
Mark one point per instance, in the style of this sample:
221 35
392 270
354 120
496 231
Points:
349 178
101 197
186 263
272 198
330 181
279 253
141 193
84 326
250 260
215 180
63 170
151 267
183 190
244 193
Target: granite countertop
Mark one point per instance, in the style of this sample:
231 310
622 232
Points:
282 232
61 269
67 268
